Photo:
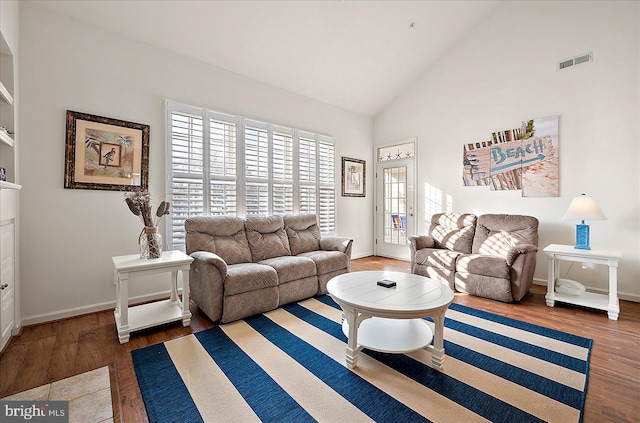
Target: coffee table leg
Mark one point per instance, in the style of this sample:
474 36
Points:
437 350
354 318
352 338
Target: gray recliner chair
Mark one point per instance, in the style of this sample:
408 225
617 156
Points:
492 256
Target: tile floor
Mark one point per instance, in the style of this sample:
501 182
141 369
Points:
89 396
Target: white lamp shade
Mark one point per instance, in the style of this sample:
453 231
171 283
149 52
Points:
583 208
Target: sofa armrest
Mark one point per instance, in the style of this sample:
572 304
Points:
515 252
206 257
337 243
206 282
522 265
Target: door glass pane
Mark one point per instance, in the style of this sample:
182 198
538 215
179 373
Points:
395 205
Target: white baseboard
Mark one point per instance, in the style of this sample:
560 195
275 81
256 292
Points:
78 311
361 255
621 295
92 308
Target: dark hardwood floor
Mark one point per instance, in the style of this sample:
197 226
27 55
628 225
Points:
51 351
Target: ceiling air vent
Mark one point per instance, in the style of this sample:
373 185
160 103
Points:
585 58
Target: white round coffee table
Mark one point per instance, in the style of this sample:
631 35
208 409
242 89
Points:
391 319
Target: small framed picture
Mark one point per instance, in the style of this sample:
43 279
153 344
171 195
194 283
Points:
105 154
354 177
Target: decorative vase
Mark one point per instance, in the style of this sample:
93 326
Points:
150 243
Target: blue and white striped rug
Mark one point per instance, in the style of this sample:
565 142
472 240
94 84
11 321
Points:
288 365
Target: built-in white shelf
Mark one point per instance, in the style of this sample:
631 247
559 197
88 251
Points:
9 185
4 93
6 138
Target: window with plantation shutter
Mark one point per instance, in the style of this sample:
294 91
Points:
220 164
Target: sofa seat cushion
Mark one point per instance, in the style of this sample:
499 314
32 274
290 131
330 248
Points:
327 261
443 259
291 268
247 277
477 264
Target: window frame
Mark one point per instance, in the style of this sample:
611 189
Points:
240 178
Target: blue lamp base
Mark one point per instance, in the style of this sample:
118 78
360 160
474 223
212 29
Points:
582 236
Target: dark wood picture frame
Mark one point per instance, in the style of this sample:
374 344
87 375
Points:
124 166
354 177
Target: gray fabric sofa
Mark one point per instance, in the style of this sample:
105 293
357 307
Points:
243 267
492 256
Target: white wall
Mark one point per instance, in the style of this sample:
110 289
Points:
69 236
505 72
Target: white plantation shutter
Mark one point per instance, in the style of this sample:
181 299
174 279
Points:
282 162
282 173
186 134
222 166
223 199
257 198
307 171
307 160
308 199
256 165
327 212
219 164
282 199
327 191
256 153
222 141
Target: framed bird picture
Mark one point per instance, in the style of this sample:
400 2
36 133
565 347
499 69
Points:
105 154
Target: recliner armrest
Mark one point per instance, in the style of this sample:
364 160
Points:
514 252
207 257
418 242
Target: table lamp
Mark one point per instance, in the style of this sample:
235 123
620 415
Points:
583 208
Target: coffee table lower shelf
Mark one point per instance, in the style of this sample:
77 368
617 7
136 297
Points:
392 335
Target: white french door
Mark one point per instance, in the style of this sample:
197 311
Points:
395 212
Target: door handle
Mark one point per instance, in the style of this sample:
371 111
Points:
2 287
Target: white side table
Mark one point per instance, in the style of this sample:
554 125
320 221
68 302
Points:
609 303
129 319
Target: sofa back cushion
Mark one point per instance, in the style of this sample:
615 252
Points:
303 233
453 231
496 234
221 235
267 237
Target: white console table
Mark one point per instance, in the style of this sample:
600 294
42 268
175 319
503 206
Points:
129 319
609 303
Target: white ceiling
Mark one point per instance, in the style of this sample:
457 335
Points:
357 55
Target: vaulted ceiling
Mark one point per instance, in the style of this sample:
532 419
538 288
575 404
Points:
357 55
